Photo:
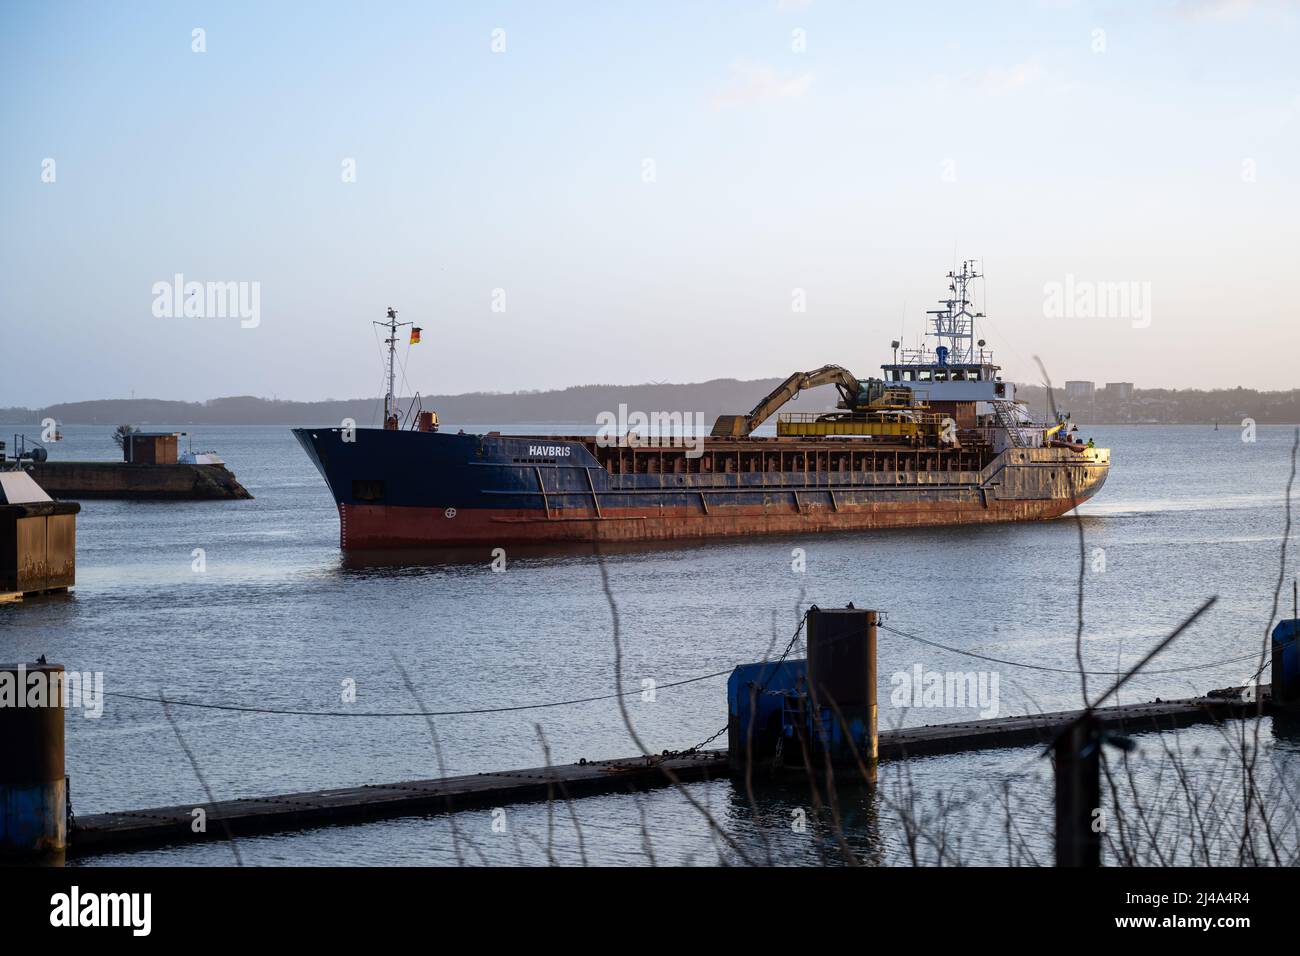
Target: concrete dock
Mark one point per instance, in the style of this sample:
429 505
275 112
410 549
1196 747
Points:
130 829
175 481
1042 728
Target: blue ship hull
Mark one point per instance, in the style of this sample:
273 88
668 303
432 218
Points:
412 489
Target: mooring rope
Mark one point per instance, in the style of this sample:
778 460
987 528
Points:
243 708
290 712
1063 670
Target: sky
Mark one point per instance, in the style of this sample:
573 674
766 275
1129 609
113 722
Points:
565 193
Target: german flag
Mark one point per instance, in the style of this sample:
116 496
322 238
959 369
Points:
415 334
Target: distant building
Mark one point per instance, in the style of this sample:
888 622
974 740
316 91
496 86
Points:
150 448
1119 391
1080 391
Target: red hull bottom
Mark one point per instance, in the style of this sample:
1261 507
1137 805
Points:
366 527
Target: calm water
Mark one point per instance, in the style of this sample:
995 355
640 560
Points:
279 619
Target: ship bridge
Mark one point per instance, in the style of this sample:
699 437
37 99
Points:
936 381
959 368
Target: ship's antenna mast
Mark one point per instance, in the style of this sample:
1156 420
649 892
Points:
954 324
390 399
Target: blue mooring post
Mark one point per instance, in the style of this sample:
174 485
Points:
1286 662
33 788
828 700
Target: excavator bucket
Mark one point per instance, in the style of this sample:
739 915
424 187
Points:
729 426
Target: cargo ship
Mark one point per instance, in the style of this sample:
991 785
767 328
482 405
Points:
938 439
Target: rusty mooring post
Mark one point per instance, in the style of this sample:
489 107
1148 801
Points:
842 683
33 788
1078 794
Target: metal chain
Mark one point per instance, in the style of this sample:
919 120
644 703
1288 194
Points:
788 648
655 759
670 754
706 742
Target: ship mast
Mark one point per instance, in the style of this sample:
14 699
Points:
390 398
954 324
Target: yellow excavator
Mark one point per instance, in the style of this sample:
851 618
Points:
741 426
867 401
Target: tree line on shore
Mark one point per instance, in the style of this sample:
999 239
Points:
582 403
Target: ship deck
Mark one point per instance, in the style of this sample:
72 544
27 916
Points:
787 455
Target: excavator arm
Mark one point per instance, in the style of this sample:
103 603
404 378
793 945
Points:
741 426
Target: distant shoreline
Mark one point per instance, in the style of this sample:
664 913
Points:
1226 407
